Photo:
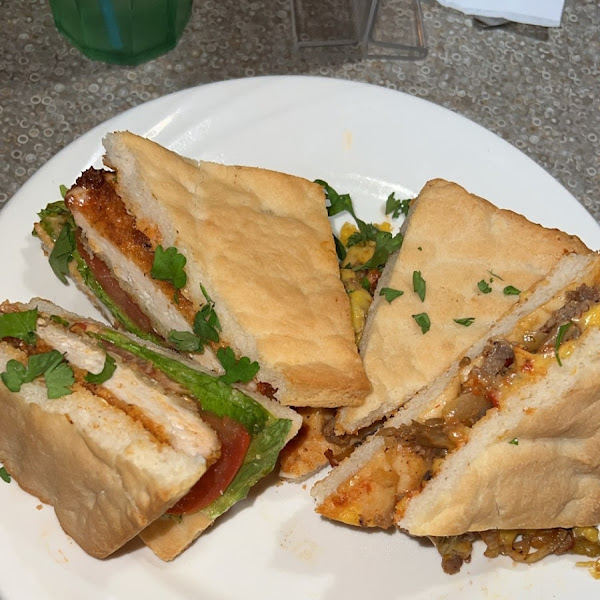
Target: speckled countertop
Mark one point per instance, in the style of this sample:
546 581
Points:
542 96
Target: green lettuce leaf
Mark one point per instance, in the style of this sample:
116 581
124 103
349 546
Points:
268 433
53 218
260 461
213 394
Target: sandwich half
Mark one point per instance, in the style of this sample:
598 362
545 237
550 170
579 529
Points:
505 443
115 433
159 240
463 263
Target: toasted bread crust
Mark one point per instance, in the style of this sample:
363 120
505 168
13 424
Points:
454 239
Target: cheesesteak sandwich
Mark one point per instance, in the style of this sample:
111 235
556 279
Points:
462 264
160 240
123 437
506 443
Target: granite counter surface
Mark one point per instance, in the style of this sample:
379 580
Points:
542 96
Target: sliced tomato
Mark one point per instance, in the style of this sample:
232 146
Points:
111 286
234 445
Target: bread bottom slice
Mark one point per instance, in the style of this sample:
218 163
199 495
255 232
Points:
106 477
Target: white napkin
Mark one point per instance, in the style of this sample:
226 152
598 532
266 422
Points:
533 12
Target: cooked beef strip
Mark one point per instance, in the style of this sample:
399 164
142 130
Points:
578 302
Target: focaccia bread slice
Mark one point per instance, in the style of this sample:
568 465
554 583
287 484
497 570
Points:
468 252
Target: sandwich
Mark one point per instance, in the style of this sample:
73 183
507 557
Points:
463 262
123 437
159 241
505 444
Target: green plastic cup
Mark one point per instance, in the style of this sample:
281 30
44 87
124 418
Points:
126 32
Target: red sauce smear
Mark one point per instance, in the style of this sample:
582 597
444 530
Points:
234 445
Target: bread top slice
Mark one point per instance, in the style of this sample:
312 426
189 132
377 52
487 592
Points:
531 462
109 458
455 240
261 245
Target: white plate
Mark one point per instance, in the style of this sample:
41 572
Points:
363 139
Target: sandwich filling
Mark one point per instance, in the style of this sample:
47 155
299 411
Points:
193 412
93 234
94 199
413 453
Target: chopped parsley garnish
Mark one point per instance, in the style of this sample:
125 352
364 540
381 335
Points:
511 290
396 206
467 321
206 329
107 371
562 330
21 325
242 370
385 242
484 286
62 252
57 373
169 266
419 285
4 475
390 293
514 441
365 284
422 320
206 322
337 202
367 232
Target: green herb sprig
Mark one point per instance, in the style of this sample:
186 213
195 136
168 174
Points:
423 321
484 287
4 475
390 294
385 242
419 285
21 325
242 370
466 322
206 329
57 373
397 206
511 290
168 265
